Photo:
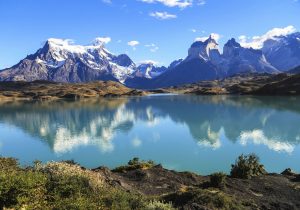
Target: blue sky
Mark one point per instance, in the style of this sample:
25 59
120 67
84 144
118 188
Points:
163 29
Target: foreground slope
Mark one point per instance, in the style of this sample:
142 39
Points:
140 185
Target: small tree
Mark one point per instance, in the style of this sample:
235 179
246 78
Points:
247 166
134 161
218 180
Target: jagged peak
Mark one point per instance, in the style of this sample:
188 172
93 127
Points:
148 63
204 41
232 43
69 45
101 41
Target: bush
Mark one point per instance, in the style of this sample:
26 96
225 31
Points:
60 186
134 164
158 205
247 166
20 188
218 180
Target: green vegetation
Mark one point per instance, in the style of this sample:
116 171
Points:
218 180
134 164
158 205
247 166
67 185
62 186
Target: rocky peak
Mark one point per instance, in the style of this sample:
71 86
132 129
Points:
207 50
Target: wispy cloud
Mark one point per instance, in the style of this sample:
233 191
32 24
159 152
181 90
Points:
201 2
215 36
257 42
107 1
162 15
152 47
100 40
258 137
133 44
148 62
171 3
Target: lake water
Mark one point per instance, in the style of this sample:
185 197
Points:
203 134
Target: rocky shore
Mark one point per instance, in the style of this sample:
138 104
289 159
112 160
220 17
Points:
242 84
145 185
44 90
245 84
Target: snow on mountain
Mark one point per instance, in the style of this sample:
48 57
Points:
149 70
238 59
207 50
63 61
283 52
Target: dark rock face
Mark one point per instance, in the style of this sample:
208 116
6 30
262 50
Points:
239 59
283 52
187 72
123 60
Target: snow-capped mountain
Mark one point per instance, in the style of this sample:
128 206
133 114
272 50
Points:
238 59
149 70
283 52
206 50
200 64
205 62
61 61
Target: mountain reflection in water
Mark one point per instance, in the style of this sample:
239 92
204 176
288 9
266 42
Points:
211 121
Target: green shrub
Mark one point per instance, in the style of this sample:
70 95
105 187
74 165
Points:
134 164
8 164
247 166
60 186
158 205
218 180
22 188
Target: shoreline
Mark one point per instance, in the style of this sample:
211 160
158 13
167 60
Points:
248 84
151 182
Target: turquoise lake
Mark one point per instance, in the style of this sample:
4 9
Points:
203 134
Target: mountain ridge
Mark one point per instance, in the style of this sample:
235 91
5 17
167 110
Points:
62 61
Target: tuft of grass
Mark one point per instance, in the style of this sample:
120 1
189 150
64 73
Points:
134 164
159 205
247 166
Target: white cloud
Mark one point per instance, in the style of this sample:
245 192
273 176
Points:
102 40
213 139
215 36
171 3
193 30
148 62
258 137
107 1
201 2
136 142
152 47
133 44
162 15
256 42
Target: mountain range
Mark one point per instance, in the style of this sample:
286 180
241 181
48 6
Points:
62 61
